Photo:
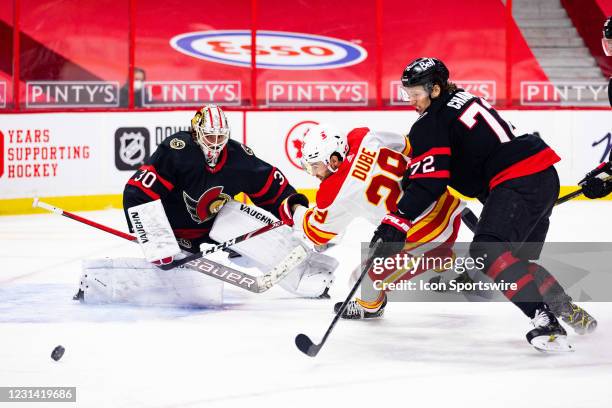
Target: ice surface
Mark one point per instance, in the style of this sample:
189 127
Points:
242 354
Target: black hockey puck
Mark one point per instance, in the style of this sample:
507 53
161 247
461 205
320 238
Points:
57 353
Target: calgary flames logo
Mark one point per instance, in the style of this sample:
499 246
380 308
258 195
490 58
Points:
207 206
293 142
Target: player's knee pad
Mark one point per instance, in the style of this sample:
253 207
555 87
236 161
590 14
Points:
136 281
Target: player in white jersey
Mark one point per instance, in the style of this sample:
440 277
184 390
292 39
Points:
361 175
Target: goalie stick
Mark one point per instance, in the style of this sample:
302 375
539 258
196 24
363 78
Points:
303 342
256 284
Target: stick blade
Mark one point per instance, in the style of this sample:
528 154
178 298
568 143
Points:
305 345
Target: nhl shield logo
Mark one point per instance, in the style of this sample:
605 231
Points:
131 148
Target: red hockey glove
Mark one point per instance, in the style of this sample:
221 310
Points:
286 208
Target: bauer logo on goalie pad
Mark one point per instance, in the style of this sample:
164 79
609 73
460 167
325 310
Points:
131 147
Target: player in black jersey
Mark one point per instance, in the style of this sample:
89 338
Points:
460 141
195 173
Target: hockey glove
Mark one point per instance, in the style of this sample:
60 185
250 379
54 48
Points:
287 207
391 234
596 188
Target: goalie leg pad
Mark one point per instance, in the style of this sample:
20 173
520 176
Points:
311 277
267 249
135 281
153 231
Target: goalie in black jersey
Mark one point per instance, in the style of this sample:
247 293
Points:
196 173
460 141
191 179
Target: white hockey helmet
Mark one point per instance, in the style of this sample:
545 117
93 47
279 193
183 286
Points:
320 142
211 132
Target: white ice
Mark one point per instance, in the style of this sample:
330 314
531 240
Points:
243 354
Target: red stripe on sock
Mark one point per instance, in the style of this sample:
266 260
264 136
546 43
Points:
503 262
548 282
520 284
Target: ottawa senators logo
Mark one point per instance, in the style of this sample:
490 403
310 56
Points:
207 206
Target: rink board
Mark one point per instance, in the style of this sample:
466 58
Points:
82 160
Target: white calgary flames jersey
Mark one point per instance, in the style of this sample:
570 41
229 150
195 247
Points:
368 184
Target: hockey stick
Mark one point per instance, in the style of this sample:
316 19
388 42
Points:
605 166
303 342
173 264
224 245
256 284
576 193
59 211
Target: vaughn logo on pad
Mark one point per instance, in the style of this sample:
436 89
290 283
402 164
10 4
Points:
274 49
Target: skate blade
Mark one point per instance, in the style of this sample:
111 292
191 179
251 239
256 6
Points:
552 344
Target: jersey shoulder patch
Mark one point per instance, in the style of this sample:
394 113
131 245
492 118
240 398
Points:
177 143
247 149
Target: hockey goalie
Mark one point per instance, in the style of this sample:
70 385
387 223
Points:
180 201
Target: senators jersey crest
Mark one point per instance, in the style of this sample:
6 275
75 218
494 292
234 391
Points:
207 206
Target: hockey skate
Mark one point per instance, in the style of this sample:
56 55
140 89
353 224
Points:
359 309
576 317
548 335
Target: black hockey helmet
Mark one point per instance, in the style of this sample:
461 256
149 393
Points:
424 71
607 29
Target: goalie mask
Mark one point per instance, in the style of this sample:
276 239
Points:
211 132
320 142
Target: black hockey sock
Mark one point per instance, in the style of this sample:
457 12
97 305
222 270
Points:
550 289
524 294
